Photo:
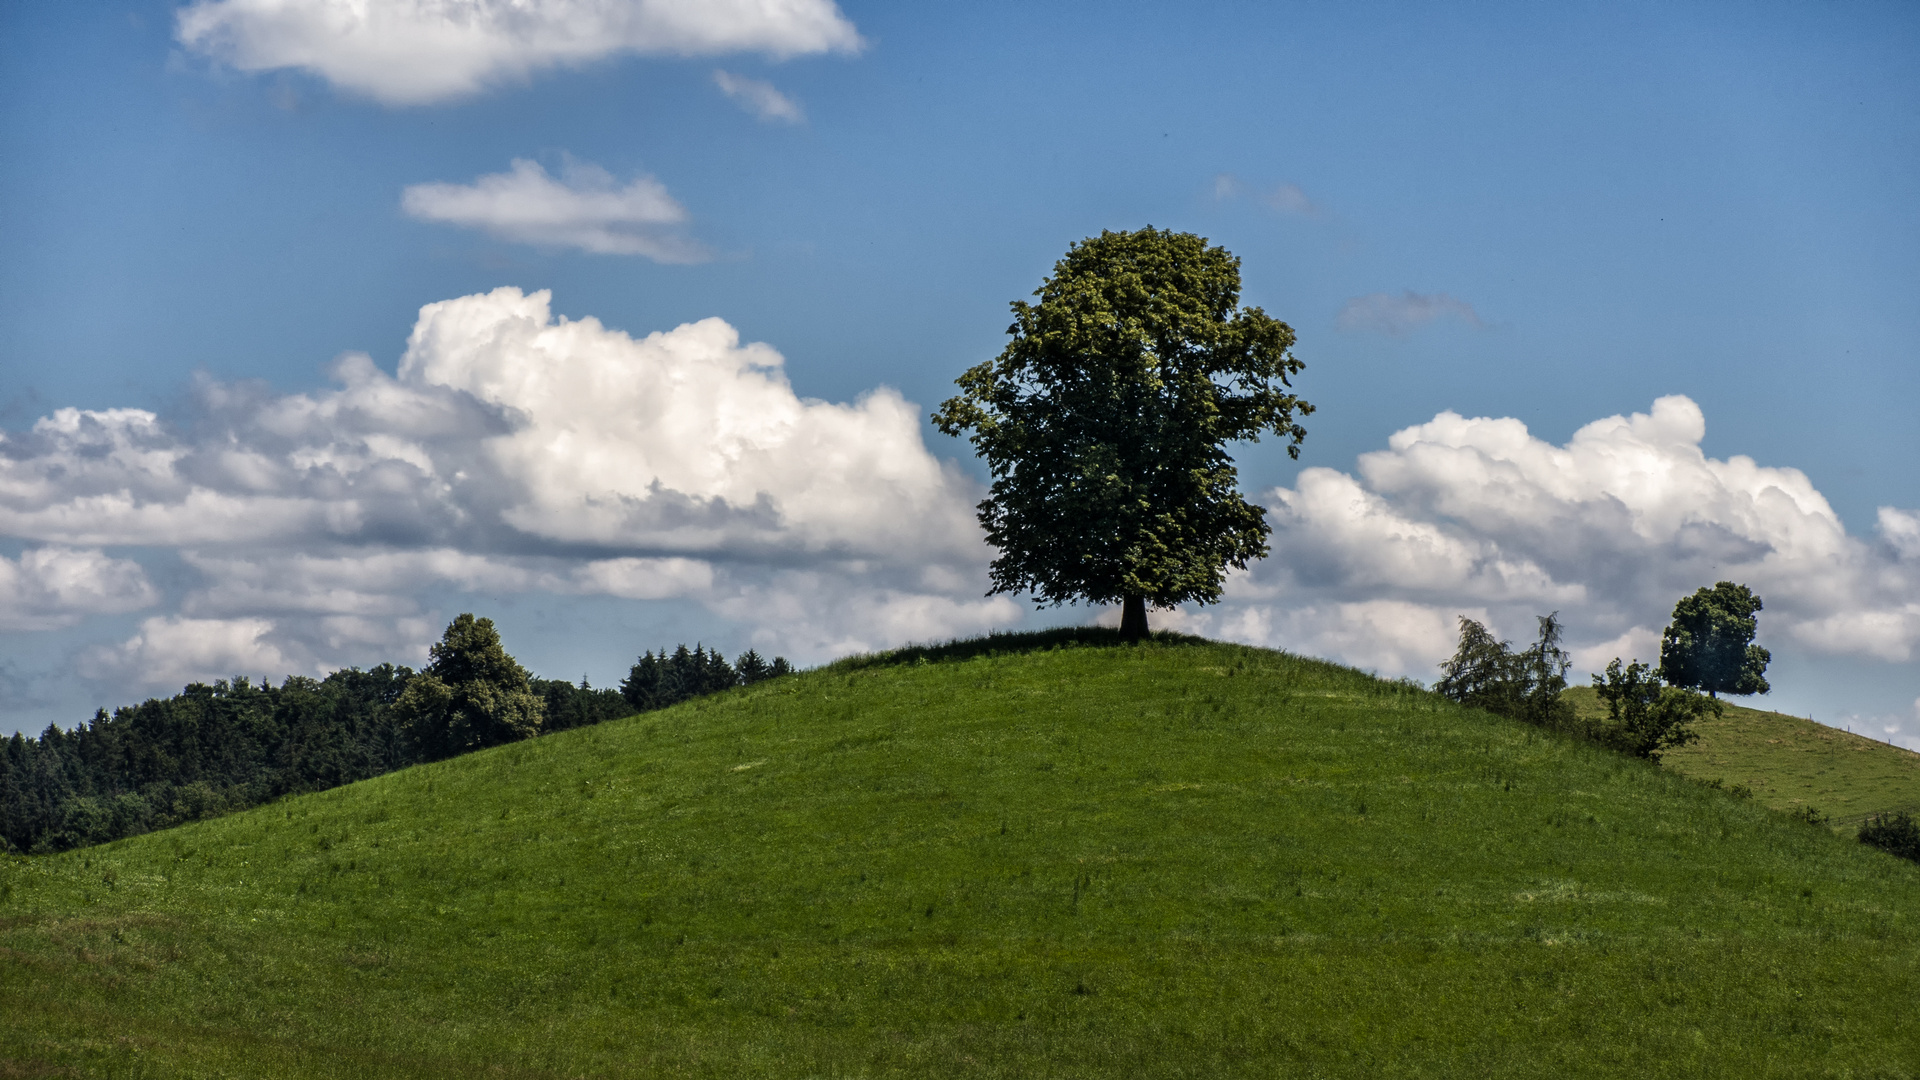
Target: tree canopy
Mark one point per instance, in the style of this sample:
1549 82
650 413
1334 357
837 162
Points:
1644 718
1709 645
210 750
471 695
1105 422
655 682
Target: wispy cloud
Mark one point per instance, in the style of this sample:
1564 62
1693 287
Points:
759 98
1400 315
417 52
1282 198
584 208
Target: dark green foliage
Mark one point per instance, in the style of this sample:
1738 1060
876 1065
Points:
211 750
471 695
203 752
1896 833
1813 815
656 682
1486 673
568 706
1644 718
754 668
1105 424
1709 645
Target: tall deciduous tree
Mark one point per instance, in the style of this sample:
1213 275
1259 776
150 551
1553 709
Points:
1709 645
1105 423
472 694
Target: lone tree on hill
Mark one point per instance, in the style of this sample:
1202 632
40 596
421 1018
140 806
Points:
1709 645
1105 422
471 694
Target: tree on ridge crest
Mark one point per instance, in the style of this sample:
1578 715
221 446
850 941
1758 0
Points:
1105 421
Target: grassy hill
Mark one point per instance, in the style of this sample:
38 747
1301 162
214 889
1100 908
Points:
1791 763
1180 859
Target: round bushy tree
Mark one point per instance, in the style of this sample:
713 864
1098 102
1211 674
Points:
470 695
1709 645
1105 425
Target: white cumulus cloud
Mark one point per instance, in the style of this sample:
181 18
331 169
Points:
171 651
51 587
1477 517
759 97
1400 315
514 451
584 208
417 52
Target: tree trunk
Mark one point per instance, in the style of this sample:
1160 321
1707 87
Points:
1133 618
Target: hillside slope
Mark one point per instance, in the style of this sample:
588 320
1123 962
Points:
1791 763
1178 859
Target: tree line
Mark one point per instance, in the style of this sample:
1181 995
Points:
233 744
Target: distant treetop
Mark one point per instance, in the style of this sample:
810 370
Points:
1709 645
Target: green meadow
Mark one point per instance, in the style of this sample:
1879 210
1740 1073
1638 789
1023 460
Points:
1791 763
1045 856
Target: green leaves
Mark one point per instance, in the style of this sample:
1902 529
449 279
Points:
471 695
1486 673
1105 421
1644 718
1709 645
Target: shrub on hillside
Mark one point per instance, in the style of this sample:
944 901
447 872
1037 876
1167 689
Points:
1486 673
1644 718
1896 833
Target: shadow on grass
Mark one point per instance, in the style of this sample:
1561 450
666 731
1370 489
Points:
1010 644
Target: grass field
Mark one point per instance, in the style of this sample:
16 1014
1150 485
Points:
1172 860
1791 763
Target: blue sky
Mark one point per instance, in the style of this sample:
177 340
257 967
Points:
1552 214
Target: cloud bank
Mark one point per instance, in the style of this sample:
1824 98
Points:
584 210
51 587
1478 517
419 52
514 451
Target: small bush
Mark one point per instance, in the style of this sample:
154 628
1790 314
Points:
1644 718
1812 815
1896 833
